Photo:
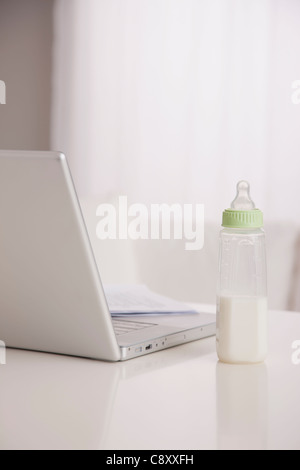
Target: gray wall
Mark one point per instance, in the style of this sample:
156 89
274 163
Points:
25 66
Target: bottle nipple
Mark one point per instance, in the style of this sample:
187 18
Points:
243 200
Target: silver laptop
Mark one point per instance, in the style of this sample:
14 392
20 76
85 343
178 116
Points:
51 296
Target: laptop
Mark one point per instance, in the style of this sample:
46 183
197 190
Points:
51 295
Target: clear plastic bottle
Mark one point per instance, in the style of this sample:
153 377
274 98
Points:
242 312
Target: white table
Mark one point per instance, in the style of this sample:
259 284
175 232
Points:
181 398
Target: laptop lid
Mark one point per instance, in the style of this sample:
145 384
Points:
51 296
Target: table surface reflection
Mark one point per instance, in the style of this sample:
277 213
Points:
181 398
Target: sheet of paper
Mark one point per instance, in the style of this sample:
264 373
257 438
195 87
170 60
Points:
138 299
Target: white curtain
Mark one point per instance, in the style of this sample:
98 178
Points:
174 101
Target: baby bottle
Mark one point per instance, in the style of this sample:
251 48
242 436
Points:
242 313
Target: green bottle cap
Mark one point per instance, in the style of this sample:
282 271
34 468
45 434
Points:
242 213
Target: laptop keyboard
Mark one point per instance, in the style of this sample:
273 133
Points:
122 327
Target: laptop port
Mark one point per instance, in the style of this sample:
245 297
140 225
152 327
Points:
147 348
